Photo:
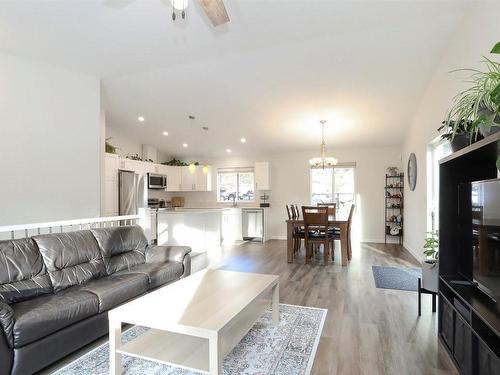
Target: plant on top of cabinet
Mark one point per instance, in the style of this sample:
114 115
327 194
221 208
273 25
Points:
110 149
136 157
179 163
477 109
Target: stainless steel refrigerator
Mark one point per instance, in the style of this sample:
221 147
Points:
133 192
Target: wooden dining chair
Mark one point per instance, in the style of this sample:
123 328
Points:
298 233
332 208
316 230
349 226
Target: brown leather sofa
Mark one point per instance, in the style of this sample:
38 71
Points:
56 289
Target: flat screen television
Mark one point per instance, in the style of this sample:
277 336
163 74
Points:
485 214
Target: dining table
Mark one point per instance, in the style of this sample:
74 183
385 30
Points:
337 221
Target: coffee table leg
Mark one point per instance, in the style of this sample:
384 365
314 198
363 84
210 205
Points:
215 353
276 303
115 338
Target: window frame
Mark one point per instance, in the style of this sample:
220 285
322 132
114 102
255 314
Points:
340 165
237 171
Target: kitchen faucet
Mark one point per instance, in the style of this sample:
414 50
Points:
234 200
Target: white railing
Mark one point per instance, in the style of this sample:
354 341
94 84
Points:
27 230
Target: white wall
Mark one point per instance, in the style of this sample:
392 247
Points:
49 143
478 32
290 184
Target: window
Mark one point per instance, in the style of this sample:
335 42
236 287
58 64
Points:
333 185
235 183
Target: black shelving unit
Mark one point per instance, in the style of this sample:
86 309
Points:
469 321
394 206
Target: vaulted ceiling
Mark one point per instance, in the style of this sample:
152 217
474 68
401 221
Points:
269 75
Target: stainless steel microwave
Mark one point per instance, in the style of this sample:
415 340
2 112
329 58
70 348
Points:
157 181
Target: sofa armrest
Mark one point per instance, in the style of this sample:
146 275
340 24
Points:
163 254
7 322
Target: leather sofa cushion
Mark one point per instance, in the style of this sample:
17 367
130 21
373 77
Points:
71 258
157 273
116 289
22 272
44 315
122 247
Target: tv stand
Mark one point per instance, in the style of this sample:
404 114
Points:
469 320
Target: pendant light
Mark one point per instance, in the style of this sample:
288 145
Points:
323 161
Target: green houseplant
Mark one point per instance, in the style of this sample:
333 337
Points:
109 147
477 108
430 265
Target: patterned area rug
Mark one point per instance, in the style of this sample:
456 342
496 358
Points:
284 350
399 278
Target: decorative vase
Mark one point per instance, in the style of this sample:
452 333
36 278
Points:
430 275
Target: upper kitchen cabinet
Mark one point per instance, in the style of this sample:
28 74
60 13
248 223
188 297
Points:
110 199
111 164
174 177
133 165
262 176
152 168
203 178
196 180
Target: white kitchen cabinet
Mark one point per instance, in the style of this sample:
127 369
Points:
110 199
262 176
174 177
196 180
133 165
152 167
231 225
188 179
203 181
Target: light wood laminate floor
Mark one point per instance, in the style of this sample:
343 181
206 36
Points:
367 330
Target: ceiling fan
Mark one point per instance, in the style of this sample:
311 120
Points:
214 9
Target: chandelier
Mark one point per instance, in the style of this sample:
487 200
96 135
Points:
323 161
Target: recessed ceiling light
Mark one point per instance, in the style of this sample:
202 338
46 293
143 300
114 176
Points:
184 145
228 150
141 118
243 140
165 133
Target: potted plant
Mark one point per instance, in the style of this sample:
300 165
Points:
430 265
109 147
476 109
461 135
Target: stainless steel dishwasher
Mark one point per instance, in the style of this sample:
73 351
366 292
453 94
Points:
252 221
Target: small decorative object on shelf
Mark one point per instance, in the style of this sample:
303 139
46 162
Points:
394 188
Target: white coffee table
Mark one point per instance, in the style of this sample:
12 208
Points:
195 322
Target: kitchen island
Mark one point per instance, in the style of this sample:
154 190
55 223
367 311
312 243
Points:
198 228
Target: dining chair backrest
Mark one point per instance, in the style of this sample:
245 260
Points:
289 211
349 220
315 216
296 211
332 207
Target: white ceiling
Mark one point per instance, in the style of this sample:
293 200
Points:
269 75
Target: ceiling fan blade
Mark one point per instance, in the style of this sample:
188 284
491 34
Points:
215 10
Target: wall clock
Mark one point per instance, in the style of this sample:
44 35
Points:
412 171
